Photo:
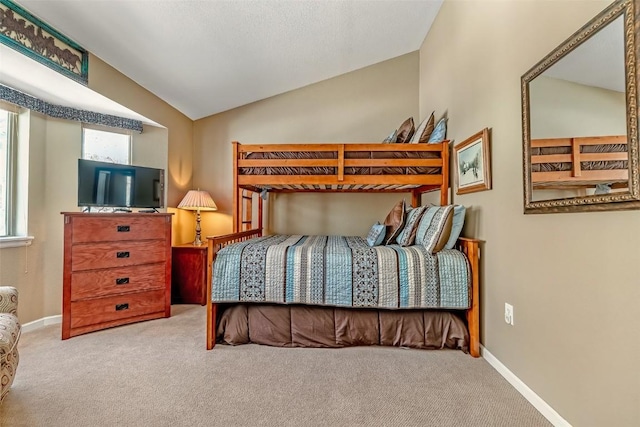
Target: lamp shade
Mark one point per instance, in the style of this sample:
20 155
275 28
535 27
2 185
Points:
198 200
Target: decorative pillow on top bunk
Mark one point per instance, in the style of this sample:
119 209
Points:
434 229
405 131
424 131
439 132
393 137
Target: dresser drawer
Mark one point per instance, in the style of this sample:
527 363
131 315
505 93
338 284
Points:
121 227
115 281
101 310
117 254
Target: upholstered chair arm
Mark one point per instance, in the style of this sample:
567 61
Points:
9 300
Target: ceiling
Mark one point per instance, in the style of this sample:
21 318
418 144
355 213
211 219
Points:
599 61
205 57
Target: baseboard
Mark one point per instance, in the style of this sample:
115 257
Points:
41 323
543 407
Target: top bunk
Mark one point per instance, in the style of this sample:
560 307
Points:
342 167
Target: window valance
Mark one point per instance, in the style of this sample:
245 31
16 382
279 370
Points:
69 113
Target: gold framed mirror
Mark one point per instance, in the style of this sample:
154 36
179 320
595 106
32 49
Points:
580 119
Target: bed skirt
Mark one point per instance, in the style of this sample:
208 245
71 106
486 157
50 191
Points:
314 326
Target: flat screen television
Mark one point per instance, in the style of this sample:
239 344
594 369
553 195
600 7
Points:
102 184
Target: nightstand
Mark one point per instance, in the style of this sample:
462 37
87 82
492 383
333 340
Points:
189 274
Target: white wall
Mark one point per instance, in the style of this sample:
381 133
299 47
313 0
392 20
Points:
563 109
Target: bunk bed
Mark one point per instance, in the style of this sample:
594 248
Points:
346 167
579 162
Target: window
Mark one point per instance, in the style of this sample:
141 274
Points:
106 146
8 160
13 180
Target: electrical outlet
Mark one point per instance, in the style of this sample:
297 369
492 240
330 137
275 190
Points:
508 313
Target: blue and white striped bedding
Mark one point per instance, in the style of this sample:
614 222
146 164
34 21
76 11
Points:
340 271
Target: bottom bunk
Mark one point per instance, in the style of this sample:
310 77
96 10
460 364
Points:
238 283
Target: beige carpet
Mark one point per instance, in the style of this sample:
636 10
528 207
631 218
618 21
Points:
158 373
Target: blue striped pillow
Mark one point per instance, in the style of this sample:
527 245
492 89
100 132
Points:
408 234
435 227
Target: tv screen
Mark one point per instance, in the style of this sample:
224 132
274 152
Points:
102 184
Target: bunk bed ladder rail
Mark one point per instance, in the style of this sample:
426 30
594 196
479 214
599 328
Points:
243 199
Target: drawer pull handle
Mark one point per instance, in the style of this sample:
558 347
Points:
122 254
120 307
122 280
123 228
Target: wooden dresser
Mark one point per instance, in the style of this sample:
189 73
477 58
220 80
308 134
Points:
117 270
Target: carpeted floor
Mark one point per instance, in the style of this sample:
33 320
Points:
158 373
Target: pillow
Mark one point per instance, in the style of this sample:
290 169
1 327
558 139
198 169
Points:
394 222
405 131
376 234
456 225
408 234
424 131
439 132
393 136
435 227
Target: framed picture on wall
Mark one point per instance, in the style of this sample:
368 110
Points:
28 35
472 163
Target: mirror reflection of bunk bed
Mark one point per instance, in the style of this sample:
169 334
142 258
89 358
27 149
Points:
597 162
259 170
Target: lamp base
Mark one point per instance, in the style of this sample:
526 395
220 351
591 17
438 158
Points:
197 241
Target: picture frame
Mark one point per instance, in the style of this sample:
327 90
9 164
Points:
37 40
472 163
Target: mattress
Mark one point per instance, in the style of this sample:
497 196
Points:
340 271
347 170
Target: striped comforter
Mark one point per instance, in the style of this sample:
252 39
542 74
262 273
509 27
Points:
339 271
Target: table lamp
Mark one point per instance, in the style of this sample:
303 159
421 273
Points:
198 200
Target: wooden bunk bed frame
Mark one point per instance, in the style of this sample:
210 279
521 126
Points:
577 177
244 185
